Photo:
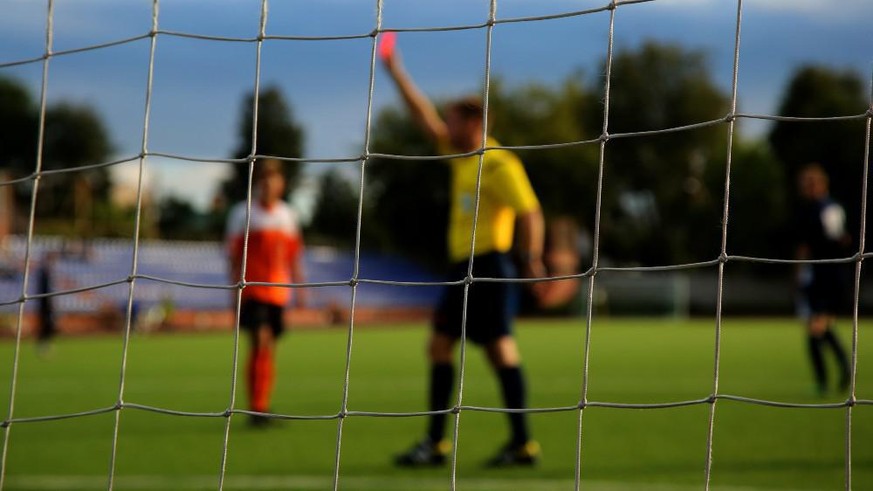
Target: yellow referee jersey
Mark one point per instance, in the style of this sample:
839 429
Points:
505 191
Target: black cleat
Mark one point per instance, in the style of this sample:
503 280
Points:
259 421
425 454
845 381
516 455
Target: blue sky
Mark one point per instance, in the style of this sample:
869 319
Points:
199 85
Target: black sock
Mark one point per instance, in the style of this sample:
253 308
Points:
815 355
512 384
442 379
834 342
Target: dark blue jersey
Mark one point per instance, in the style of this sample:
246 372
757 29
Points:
822 228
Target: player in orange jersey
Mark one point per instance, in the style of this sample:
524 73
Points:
273 255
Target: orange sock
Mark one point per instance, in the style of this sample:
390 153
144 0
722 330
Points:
251 376
264 374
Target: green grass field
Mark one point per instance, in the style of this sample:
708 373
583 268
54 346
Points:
631 361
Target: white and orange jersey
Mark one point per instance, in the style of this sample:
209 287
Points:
274 246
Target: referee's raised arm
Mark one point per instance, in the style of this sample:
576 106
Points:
423 111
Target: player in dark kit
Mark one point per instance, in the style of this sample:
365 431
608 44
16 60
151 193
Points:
821 234
47 321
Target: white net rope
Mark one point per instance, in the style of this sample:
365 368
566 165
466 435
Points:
131 277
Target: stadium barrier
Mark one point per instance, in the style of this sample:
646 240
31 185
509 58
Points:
92 296
185 286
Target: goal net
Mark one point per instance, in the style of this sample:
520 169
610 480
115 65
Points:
128 284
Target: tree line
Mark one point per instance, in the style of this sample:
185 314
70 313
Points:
662 195
662 199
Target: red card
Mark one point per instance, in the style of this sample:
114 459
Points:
386 44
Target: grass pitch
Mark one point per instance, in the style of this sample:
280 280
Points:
636 361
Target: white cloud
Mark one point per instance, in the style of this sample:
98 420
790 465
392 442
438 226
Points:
195 182
831 11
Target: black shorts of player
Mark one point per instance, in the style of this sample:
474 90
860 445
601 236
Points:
827 292
254 314
491 306
48 327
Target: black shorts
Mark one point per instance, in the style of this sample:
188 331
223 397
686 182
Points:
254 314
491 306
827 293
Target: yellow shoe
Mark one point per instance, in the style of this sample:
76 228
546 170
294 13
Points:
424 454
514 454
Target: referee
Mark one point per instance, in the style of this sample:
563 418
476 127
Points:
505 199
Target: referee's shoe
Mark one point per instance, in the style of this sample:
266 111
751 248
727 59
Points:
424 454
516 455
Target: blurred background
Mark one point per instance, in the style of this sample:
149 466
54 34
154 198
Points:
663 195
171 156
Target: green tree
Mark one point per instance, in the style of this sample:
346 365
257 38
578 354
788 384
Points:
179 220
335 218
278 135
17 128
407 200
413 195
565 178
654 209
74 136
816 92
758 208
663 194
